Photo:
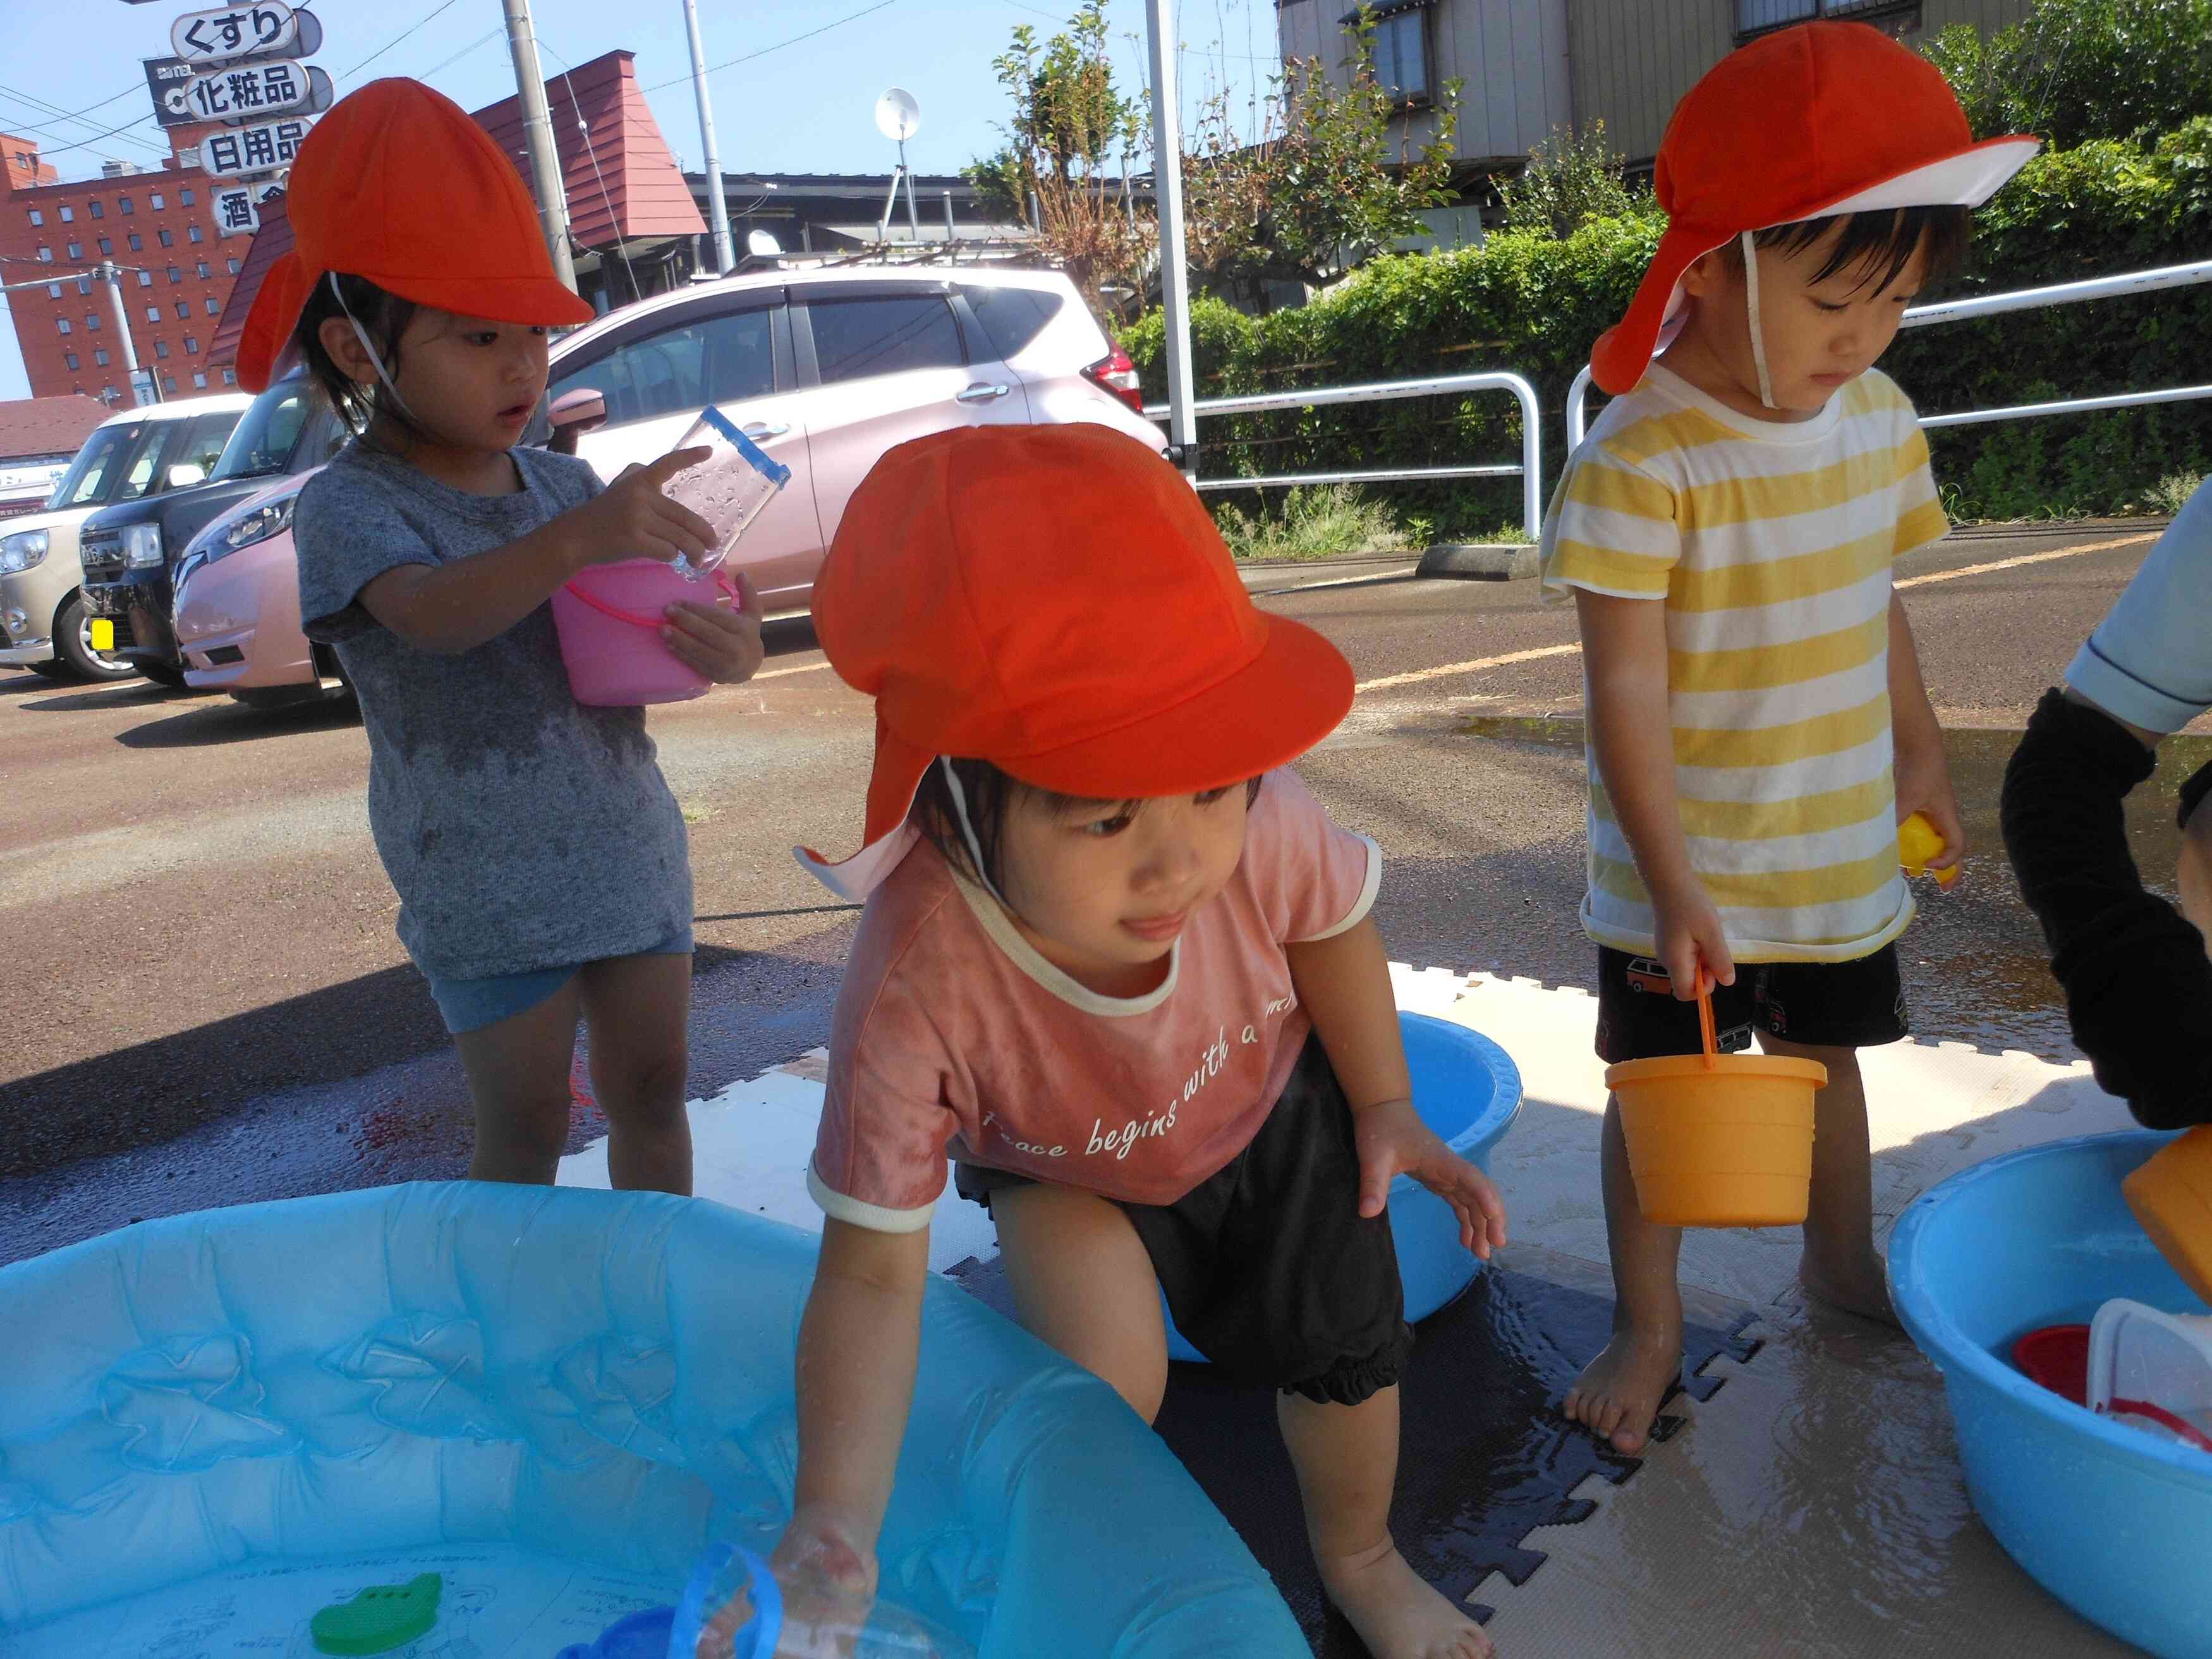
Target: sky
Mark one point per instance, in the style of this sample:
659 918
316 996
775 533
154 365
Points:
803 102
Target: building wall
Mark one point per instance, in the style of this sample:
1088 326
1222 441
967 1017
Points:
1633 59
1511 54
186 196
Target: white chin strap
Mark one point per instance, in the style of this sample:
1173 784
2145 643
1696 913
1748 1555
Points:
361 335
1751 302
967 831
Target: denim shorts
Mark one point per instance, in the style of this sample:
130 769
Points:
474 1005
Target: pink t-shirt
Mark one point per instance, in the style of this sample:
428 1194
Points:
953 1035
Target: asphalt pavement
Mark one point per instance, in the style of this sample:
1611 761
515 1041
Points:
209 1006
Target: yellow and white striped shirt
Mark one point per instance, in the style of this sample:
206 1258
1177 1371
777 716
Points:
1770 545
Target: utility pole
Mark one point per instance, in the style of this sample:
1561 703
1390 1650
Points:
109 272
1167 195
725 253
538 129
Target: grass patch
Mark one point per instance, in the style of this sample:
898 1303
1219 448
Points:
1313 521
2171 493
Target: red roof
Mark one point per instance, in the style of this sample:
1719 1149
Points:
623 185
48 426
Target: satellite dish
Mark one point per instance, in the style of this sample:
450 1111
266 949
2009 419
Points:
898 116
763 245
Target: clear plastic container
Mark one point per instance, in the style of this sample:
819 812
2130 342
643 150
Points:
732 1608
729 488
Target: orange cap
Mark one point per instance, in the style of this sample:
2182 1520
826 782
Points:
1817 119
398 185
1055 600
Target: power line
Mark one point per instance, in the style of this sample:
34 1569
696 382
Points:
86 143
395 40
443 63
591 154
40 105
102 104
778 46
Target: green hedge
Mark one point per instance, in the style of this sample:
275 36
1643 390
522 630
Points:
1534 304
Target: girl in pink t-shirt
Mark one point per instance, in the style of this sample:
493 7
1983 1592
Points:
1118 965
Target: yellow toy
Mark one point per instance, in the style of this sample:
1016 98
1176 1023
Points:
1917 843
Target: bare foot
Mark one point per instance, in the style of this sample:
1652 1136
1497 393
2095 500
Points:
1861 1288
1619 1392
1396 1614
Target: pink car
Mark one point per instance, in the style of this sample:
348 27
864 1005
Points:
824 369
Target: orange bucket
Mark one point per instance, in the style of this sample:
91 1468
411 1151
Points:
1724 1140
2171 1194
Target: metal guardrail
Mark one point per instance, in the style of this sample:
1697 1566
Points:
1990 305
1531 467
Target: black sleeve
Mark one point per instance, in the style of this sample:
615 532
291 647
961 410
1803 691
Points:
2138 984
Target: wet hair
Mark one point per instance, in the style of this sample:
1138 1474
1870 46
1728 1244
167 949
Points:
991 793
383 316
1877 245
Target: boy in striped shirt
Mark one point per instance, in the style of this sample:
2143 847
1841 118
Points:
1758 723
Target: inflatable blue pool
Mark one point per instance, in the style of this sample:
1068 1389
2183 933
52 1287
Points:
1469 1090
212 1427
2115 1522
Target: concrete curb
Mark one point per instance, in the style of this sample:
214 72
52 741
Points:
1479 561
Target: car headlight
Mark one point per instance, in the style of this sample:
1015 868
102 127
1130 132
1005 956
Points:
259 526
141 545
22 550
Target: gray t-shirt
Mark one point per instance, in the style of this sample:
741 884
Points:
522 830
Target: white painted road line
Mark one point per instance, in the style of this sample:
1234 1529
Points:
1481 663
2025 558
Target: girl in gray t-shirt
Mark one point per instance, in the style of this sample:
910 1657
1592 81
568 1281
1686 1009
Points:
539 857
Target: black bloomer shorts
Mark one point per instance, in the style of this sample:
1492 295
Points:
1269 1268
1822 1005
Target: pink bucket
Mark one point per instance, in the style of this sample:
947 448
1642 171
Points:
610 619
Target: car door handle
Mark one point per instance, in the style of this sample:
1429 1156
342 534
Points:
762 429
980 393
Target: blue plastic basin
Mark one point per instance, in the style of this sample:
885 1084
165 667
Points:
2114 1521
1469 1090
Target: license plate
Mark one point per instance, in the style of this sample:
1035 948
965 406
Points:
103 634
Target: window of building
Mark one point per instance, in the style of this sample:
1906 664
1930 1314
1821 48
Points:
69 214
69 357
54 290
37 217
154 201
123 205
199 377
63 324
1757 17
233 264
98 210
99 355
77 250
194 233
214 305
153 313
106 245
200 270
175 276
91 319
161 347
192 345
1401 55
164 239
183 309
230 377
168 383
185 198
145 279
137 243
46 254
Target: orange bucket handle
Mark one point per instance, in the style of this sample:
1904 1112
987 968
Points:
1706 1016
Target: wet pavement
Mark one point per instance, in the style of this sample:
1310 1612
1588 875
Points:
221 1012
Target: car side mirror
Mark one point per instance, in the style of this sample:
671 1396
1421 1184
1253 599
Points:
184 474
583 409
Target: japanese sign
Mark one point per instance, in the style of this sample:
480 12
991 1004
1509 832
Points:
211 37
251 90
236 212
260 149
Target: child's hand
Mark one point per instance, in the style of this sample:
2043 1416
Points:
1687 931
816 1560
1924 785
1393 1140
630 519
719 641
